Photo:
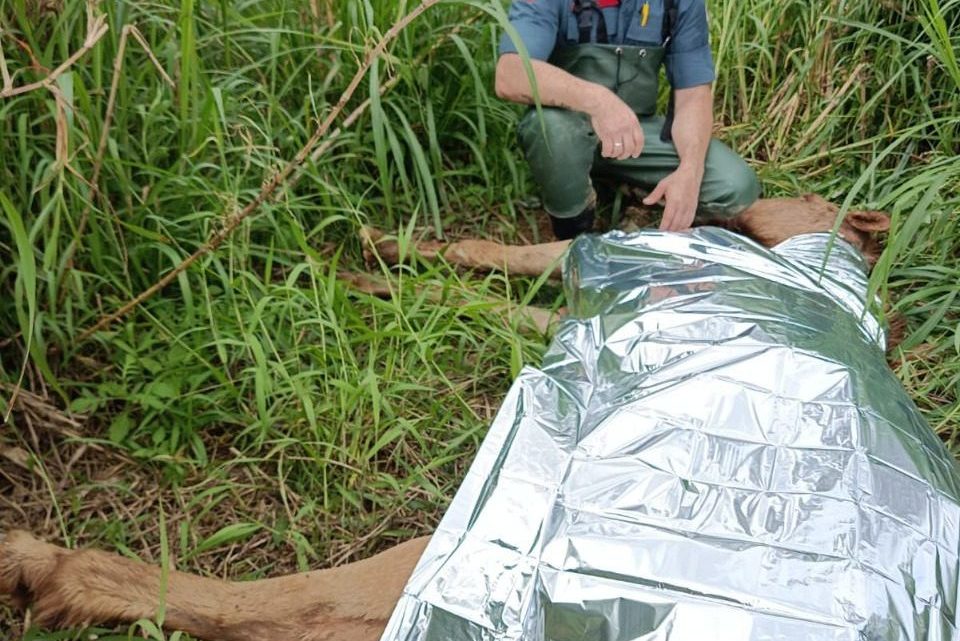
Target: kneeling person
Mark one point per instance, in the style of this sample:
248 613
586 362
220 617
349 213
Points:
596 64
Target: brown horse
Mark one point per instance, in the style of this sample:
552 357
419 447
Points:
769 221
68 588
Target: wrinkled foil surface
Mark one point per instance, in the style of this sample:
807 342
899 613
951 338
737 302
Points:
714 449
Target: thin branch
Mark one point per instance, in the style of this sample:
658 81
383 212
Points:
233 221
95 31
331 21
128 30
384 88
825 112
153 58
9 340
4 72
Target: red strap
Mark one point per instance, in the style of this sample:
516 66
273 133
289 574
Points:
606 4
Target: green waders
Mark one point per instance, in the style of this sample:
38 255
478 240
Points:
563 151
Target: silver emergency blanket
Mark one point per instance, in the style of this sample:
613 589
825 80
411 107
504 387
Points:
713 450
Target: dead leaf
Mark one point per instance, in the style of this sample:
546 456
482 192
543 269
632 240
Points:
18 456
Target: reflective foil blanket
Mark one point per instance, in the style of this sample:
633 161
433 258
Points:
713 450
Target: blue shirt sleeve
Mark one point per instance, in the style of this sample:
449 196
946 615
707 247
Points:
689 62
538 23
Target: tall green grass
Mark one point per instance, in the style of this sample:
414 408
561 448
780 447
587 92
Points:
363 412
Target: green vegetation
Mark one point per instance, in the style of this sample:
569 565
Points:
276 418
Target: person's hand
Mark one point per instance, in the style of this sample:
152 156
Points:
681 192
617 127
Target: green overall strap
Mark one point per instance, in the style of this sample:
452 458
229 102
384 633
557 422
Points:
669 25
588 13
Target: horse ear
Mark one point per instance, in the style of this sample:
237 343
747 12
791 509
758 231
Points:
814 198
869 221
